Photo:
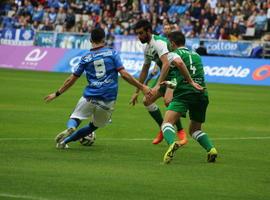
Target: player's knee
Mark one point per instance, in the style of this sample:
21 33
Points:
194 127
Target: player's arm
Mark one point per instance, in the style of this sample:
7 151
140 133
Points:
165 68
66 85
142 77
178 62
131 80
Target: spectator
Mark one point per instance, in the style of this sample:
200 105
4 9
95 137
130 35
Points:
201 50
212 3
197 18
145 7
222 34
70 20
187 28
47 26
52 15
235 33
260 22
77 6
161 7
210 33
61 16
38 13
251 20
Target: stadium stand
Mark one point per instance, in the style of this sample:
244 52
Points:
208 19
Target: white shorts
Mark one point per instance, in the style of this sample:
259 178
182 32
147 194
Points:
100 111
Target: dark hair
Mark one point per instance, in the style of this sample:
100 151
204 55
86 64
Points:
177 37
201 42
97 35
146 25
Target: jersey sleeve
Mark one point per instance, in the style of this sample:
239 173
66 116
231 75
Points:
172 56
161 47
117 61
80 69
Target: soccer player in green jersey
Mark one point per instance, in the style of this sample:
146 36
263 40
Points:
156 50
186 98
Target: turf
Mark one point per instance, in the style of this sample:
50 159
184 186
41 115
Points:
123 164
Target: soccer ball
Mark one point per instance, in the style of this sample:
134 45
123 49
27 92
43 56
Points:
88 140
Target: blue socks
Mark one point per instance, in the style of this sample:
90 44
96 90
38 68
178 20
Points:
81 133
73 123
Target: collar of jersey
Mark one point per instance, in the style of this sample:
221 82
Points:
93 49
183 48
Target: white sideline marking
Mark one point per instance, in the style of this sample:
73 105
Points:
142 139
21 196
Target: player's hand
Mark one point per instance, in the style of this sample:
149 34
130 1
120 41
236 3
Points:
134 99
146 91
154 91
197 86
50 97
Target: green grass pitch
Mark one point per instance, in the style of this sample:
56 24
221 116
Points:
123 164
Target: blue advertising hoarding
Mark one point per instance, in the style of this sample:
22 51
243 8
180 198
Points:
17 36
73 41
244 71
217 47
45 39
70 60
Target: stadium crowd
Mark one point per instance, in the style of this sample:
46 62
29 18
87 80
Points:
209 19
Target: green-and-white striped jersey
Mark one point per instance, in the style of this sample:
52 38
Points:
194 65
157 47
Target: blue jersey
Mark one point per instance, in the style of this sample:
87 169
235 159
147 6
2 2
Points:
101 66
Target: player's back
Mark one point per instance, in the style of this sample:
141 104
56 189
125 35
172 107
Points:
194 65
101 66
192 61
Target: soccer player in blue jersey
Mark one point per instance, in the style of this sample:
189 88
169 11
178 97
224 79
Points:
102 65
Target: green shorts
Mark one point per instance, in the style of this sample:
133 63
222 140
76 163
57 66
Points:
196 104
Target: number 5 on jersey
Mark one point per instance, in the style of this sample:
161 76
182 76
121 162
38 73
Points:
100 68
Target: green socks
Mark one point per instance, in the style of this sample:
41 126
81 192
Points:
203 140
168 133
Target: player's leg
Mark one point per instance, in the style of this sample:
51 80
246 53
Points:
181 134
155 113
202 138
82 132
169 134
102 112
83 110
175 110
197 115
72 125
153 108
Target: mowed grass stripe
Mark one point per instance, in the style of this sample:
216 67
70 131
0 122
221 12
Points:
116 167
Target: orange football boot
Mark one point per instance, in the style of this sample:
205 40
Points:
158 138
182 137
